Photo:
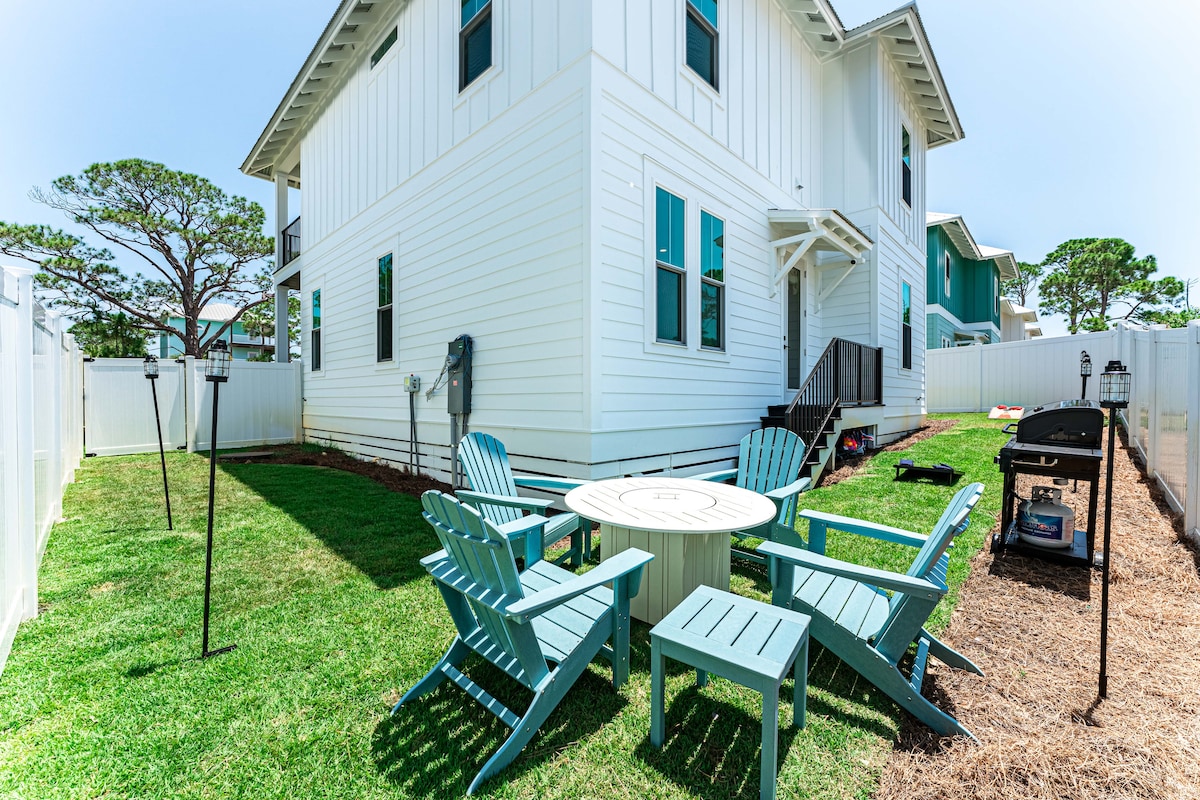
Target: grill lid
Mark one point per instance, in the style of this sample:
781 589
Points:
1073 423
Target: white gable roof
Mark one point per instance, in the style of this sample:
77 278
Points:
964 242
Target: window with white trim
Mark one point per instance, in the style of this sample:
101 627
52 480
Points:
315 328
670 274
383 315
700 38
712 282
905 166
384 46
905 326
947 281
474 41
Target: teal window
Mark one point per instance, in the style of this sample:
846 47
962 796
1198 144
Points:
701 38
670 268
947 282
905 166
316 330
383 316
384 46
905 326
474 41
712 281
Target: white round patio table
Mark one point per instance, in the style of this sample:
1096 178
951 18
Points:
684 523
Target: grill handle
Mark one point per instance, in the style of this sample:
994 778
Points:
1043 463
1010 428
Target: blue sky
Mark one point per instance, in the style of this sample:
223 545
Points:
1081 116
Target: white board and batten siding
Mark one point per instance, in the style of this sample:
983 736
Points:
484 215
735 154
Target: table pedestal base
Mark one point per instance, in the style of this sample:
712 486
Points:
682 562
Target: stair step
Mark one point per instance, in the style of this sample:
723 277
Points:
777 411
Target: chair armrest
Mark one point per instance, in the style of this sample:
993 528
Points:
522 528
864 528
482 498
542 482
434 558
622 563
720 475
784 492
844 569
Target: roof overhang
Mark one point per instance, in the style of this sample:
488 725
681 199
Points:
968 248
904 40
1033 329
355 24
1012 309
813 232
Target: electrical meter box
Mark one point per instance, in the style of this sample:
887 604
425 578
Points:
412 384
458 376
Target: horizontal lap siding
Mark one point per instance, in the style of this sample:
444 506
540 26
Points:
488 240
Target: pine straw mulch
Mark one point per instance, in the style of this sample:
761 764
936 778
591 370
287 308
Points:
398 480
1034 628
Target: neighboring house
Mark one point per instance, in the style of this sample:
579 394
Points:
962 292
1017 323
652 218
214 315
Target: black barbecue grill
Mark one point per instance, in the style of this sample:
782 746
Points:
1057 440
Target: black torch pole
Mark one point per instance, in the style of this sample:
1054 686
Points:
162 455
212 481
1108 493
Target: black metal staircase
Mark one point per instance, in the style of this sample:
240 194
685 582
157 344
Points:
846 374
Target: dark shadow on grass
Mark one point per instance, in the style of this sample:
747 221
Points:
378 531
712 748
436 744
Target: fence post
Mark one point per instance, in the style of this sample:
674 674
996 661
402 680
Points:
1191 513
54 469
191 402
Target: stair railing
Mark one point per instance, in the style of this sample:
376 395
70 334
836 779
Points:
847 373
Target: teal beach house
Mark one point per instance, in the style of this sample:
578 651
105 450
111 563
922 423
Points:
962 284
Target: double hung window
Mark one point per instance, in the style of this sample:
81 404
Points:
712 281
700 21
474 41
316 330
670 268
383 316
689 273
905 326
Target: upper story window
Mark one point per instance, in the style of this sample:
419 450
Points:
947 279
384 46
474 41
996 291
905 166
712 281
383 316
315 327
905 326
701 38
670 268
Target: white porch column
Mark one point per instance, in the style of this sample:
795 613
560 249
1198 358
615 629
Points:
282 351
282 345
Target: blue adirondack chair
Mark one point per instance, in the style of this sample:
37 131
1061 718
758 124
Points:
542 627
493 493
855 618
769 463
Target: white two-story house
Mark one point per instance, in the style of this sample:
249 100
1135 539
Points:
655 220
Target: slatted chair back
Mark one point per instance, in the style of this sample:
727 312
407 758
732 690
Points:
769 458
907 613
485 463
488 582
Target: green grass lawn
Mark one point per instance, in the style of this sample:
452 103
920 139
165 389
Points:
316 580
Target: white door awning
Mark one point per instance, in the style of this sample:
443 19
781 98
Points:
814 231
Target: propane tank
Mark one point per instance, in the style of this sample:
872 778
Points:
1044 520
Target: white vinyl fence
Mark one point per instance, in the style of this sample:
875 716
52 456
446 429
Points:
41 440
1164 399
259 404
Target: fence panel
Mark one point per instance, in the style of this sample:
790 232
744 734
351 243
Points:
119 407
260 404
37 454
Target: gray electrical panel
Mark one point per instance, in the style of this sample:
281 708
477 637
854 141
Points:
458 377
